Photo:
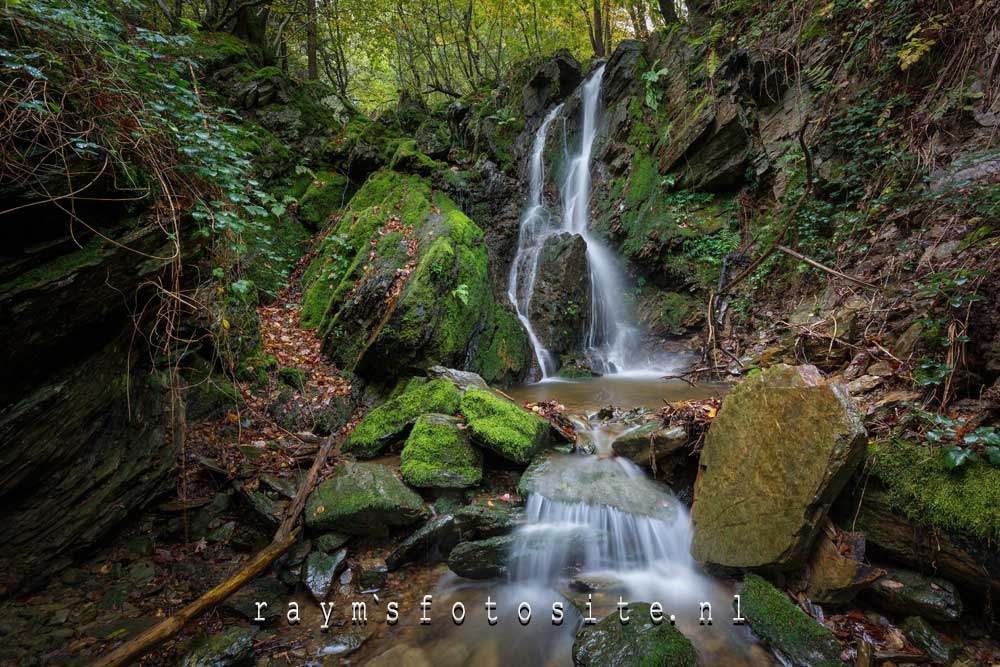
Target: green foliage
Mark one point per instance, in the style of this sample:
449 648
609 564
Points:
952 286
959 443
651 79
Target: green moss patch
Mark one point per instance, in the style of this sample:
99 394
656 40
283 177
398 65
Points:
438 455
638 643
503 426
390 421
919 486
362 499
323 197
800 639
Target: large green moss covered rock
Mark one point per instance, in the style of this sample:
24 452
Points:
324 195
438 455
503 426
390 421
798 638
362 499
781 449
401 282
638 643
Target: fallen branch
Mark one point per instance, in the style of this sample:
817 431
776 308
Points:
823 267
683 376
283 540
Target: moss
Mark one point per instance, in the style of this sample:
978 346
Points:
408 158
91 254
362 499
293 377
919 486
390 421
798 637
675 312
637 643
324 196
263 74
438 455
503 426
503 352
215 49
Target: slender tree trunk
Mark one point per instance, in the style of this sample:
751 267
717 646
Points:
312 42
669 11
597 40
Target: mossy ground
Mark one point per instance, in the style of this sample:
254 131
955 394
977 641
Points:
503 426
437 454
800 639
918 485
380 426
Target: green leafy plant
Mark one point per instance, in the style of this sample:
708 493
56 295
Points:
461 292
654 94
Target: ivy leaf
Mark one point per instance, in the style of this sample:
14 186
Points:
956 456
993 456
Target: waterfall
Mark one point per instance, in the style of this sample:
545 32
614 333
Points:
612 336
533 230
612 340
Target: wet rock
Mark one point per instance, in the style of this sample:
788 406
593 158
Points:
908 592
927 639
362 499
799 639
597 481
393 420
593 584
263 589
311 410
560 303
320 571
229 648
438 454
484 520
346 643
635 443
503 426
776 457
481 559
611 643
373 575
411 656
432 541
837 575
553 79
269 510
330 542
461 379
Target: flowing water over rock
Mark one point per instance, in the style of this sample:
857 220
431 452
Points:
612 342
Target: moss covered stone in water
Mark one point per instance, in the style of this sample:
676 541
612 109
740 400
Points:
362 499
229 648
438 455
638 643
800 639
920 486
391 420
503 426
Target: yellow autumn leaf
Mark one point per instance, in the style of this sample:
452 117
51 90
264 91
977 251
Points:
225 323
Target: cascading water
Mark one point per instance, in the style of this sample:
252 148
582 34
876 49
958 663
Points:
612 337
533 231
613 341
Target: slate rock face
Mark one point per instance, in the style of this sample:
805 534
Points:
775 459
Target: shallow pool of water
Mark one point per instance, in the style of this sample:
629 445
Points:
590 394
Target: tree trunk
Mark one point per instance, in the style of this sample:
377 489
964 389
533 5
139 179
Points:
597 27
669 11
311 41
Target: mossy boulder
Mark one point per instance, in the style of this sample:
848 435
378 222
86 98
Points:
775 458
503 426
324 195
391 421
638 643
799 639
229 648
408 158
438 455
362 499
482 559
920 486
400 282
503 352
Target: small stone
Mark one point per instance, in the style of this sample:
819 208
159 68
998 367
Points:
229 648
461 379
481 559
320 571
611 643
635 443
907 592
863 384
927 639
433 541
373 574
330 542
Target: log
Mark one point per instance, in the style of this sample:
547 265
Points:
283 540
167 628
